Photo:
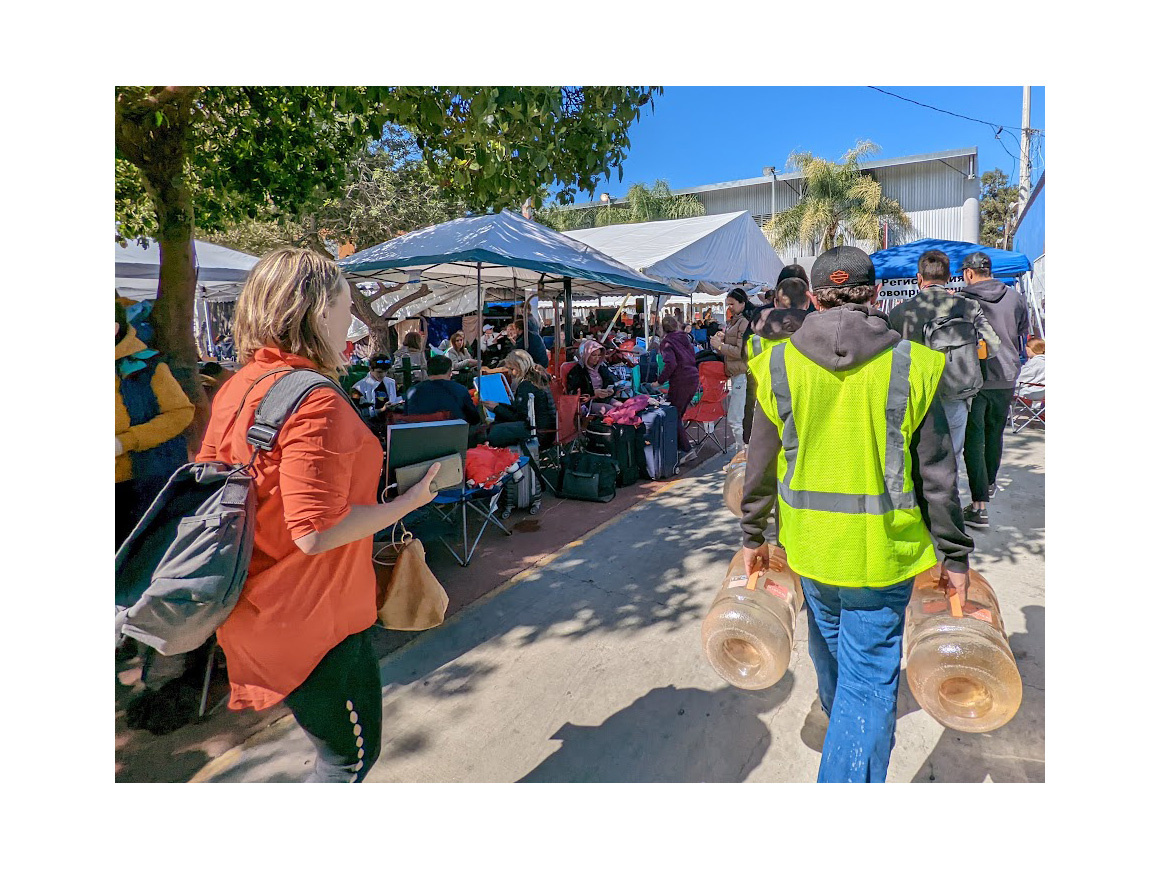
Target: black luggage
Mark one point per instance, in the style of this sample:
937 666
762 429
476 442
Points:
658 457
587 477
625 443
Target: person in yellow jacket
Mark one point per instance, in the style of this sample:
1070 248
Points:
852 446
151 414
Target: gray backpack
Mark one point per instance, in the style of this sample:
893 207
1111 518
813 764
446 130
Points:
957 339
181 570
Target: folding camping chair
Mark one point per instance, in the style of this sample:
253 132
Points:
482 502
1024 411
710 410
567 431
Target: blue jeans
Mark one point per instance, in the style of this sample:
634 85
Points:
856 647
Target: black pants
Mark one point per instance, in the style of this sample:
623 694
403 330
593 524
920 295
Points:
983 446
340 706
750 401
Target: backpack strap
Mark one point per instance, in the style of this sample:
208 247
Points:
281 400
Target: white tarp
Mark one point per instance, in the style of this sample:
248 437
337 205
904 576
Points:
221 272
504 255
709 254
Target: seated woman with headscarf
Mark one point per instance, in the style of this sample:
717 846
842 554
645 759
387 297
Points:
591 377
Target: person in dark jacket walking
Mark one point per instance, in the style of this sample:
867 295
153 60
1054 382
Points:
776 321
851 445
1006 311
935 302
680 373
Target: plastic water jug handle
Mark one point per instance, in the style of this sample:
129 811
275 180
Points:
754 578
956 605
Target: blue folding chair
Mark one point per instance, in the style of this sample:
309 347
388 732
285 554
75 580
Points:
483 502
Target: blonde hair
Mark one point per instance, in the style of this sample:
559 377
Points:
1036 347
526 369
455 335
282 303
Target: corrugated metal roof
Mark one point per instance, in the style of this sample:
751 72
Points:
870 164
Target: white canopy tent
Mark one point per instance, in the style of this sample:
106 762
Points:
221 272
711 254
468 262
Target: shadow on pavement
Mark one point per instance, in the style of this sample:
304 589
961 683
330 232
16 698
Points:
669 735
630 584
1017 512
1014 752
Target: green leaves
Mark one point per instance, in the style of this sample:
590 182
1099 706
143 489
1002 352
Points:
840 200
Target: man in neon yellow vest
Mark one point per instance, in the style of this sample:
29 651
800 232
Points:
772 323
852 445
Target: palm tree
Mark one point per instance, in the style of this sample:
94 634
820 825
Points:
841 203
640 204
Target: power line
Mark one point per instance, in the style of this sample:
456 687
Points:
996 127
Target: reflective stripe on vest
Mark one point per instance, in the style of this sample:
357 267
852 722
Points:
894 471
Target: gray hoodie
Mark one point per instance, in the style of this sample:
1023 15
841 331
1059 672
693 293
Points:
1006 311
840 339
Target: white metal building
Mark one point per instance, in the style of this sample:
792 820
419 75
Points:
939 193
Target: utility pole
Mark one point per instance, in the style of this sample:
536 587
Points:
1025 153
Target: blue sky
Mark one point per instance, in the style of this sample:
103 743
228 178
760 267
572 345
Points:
703 135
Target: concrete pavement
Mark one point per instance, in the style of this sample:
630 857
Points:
589 666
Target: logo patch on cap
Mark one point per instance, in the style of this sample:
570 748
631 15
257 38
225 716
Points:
839 277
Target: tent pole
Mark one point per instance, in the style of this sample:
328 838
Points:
615 317
479 316
568 311
559 342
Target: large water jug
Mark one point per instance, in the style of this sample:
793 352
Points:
958 663
748 634
735 481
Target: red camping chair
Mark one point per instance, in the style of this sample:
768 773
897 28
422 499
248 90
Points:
1025 411
710 410
564 371
567 429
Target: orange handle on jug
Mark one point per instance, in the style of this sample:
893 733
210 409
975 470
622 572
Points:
956 605
754 578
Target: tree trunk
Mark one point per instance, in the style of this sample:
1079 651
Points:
379 325
159 151
172 316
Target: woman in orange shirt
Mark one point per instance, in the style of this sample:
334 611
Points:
300 632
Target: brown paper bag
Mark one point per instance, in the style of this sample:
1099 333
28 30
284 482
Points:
409 598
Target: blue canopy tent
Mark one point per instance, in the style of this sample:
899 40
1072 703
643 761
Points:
491 257
902 261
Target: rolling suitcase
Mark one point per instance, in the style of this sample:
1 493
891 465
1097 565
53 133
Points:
523 491
659 447
623 442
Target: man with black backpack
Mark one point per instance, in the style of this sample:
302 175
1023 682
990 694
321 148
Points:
1006 310
952 324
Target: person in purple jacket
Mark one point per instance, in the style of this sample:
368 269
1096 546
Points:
680 373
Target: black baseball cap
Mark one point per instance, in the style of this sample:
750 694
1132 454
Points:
842 266
977 260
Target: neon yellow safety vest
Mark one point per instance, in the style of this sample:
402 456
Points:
848 512
756 345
